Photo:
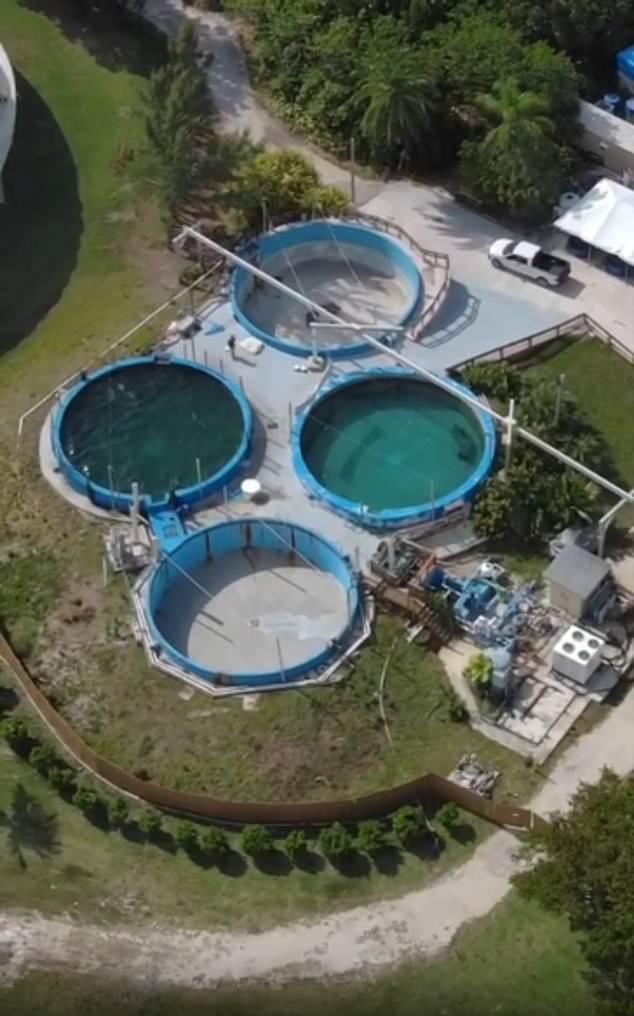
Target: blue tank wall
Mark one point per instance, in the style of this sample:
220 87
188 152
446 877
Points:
233 537
390 518
187 497
319 231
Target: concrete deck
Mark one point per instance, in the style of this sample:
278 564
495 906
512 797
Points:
259 608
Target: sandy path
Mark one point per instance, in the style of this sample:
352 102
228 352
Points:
420 923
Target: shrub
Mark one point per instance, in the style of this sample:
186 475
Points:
479 671
409 824
150 823
15 731
336 842
371 837
296 844
118 812
62 779
42 758
214 841
90 803
456 706
186 835
256 839
449 815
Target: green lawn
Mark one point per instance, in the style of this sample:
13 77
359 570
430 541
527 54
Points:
75 223
72 866
516 962
302 744
603 385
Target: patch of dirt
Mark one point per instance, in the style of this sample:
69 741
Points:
78 620
159 266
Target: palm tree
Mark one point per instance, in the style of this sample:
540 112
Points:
399 100
521 118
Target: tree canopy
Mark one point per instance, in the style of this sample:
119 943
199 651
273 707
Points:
582 868
403 78
537 496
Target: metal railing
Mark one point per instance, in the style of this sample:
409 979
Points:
106 353
429 788
581 324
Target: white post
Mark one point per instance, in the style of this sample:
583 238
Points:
280 658
510 424
558 397
111 485
199 477
104 570
353 182
134 512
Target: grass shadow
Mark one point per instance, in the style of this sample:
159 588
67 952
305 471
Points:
117 38
388 861
353 865
232 863
41 221
309 862
428 848
462 832
273 862
29 827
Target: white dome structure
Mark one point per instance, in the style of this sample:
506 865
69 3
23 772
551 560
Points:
8 102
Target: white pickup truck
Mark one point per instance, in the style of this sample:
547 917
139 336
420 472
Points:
529 260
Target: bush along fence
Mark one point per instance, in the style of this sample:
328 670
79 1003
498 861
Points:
574 327
430 790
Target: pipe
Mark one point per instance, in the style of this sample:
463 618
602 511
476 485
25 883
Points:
470 400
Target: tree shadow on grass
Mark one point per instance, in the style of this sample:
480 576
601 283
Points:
353 865
8 700
388 861
116 38
232 863
41 221
428 848
273 862
309 862
463 832
29 827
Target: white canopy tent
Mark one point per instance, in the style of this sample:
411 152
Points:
603 218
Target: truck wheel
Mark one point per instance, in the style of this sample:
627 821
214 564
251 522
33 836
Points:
496 262
543 282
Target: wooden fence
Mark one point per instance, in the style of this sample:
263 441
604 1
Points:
430 789
580 325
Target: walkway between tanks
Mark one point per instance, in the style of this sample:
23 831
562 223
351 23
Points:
420 923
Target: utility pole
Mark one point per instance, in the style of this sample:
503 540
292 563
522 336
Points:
353 182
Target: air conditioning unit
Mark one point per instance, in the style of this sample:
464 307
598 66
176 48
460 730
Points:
577 654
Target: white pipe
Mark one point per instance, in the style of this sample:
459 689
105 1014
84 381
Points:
429 375
510 424
128 335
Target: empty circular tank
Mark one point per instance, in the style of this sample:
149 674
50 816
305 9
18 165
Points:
252 602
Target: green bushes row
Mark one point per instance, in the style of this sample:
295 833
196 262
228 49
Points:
406 828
